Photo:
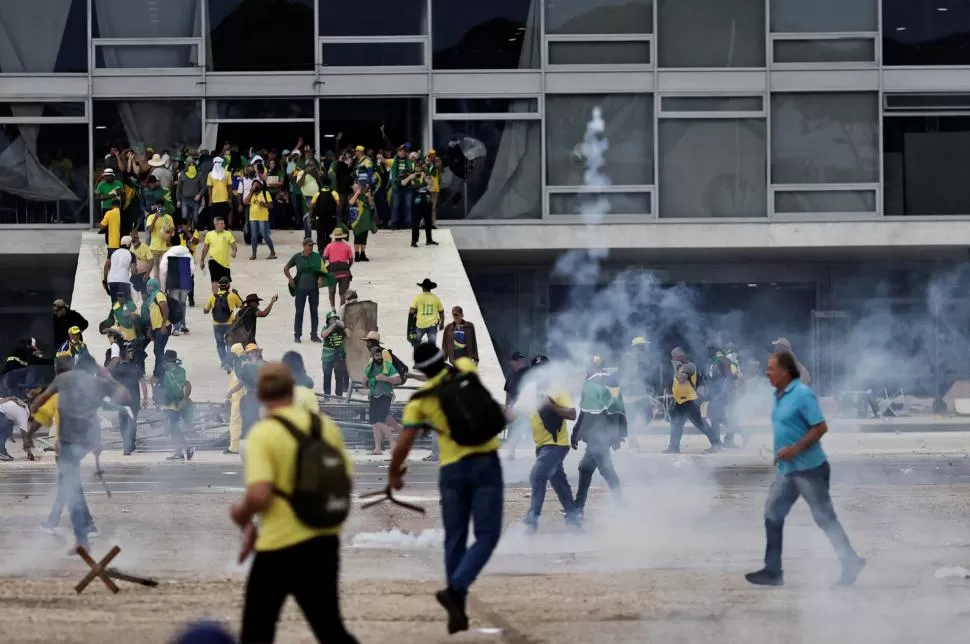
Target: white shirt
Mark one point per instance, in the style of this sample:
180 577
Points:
16 413
119 271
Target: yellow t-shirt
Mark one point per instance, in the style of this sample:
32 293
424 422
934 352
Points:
271 458
684 391
220 246
112 221
143 255
235 303
428 307
427 413
162 232
220 189
304 398
541 435
47 415
259 206
155 311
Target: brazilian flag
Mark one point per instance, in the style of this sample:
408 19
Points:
601 395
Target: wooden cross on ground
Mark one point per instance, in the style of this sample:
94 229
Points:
97 569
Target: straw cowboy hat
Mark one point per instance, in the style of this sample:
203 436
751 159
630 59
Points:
338 234
372 336
156 161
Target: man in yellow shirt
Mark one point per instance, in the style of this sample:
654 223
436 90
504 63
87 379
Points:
686 406
259 201
161 227
292 558
144 261
234 395
470 482
549 432
428 314
218 183
111 226
221 244
223 305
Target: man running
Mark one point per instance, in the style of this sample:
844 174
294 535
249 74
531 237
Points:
602 426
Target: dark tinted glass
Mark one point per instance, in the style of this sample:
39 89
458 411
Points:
261 35
69 109
498 34
372 54
599 16
359 121
486 105
146 18
925 33
926 165
373 18
159 124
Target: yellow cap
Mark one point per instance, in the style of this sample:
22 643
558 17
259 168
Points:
432 152
74 331
359 148
639 340
237 349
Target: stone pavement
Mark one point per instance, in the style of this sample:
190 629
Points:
390 279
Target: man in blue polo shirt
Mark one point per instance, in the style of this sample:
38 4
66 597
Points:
798 426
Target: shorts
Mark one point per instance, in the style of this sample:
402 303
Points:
380 409
342 286
217 271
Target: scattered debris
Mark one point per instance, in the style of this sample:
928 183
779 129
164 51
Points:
396 538
956 572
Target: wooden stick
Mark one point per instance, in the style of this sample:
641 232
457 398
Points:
133 579
97 569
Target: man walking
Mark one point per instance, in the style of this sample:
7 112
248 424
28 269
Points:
117 271
223 306
340 257
470 482
803 470
602 426
292 558
334 355
221 244
381 378
174 400
64 318
459 339
177 276
686 404
428 313
305 287
401 168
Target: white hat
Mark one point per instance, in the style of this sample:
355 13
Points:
108 171
156 161
126 240
286 153
255 159
296 153
218 160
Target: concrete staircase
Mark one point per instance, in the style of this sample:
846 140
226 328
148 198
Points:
389 279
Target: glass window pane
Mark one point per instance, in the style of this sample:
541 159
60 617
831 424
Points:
493 169
925 33
927 162
43 174
500 34
609 203
927 101
146 19
824 138
713 168
599 16
711 103
146 57
260 109
253 35
815 201
359 121
373 54
824 16
495 105
18 109
849 50
374 18
44 37
629 131
156 123
711 33
599 53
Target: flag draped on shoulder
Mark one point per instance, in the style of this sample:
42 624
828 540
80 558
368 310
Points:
601 395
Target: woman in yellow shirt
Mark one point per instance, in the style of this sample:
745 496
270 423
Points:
259 201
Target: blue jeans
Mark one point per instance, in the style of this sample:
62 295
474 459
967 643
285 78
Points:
401 198
302 295
680 414
71 493
190 211
429 335
813 485
222 344
471 489
260 230
597 456
548 469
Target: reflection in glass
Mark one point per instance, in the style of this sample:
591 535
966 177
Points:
712 168
492 169
43 172
146 56
358 122
824 16
925 33
824 138
927 162
374 18
44 37
372 54
711 33
238 108
629 130
843 50
819 201
599 53
609 203
156 123
499 34
255 35
599 16
67 109
146 19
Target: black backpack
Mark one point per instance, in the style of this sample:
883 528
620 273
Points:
321 488
399 366
220 310
474 417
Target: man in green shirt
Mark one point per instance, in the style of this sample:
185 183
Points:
381 377
305 286
401 168
108 187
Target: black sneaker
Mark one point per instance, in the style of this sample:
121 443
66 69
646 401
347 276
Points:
431 243
189 453
4 456
356 257
364 257
414 244
452 602
314 338
765 577
177 456
296 339
851 570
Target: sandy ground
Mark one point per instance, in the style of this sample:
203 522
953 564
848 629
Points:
665 567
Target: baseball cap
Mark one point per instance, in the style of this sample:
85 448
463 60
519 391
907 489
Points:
74 330
359 148
782 342
308 241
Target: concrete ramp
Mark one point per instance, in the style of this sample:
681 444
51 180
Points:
389 279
